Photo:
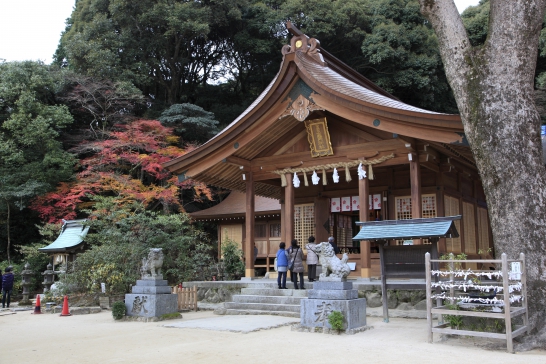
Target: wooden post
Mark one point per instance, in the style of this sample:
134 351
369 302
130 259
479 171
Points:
322 214
249 224
428 293
365 255
288 220
415 180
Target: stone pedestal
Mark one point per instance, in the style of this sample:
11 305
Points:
333 295
151 297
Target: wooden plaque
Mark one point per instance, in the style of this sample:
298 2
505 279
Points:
319 137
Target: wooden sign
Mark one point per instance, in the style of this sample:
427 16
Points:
319 137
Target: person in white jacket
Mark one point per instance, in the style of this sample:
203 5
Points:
312 259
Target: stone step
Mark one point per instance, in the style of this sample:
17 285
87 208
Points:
262 312
262 307
280 300
274 292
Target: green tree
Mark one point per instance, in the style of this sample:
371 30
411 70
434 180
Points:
32 160
190 122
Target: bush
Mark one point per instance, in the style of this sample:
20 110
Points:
335 319
234 268
118 310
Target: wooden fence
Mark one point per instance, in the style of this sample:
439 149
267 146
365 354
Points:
187 298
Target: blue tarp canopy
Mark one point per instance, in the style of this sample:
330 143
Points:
72 234
436 227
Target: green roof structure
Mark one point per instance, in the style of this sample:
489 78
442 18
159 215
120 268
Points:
435 227
72 234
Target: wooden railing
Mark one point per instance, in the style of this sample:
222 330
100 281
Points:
187 298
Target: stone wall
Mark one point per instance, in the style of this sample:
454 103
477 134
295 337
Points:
217 292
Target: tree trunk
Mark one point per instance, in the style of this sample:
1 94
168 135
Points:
7 229
493 87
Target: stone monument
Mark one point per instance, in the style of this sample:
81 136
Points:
151 296
333 293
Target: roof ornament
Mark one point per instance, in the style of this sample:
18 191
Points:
300 108
302 43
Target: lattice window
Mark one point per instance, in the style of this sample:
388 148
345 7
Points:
469 221
403 207
260 230
429 206
483 229
304 222
275 230
344 231
451 206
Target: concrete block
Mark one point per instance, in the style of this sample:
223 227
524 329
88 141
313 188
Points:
314 312
151 282
150 305
332 285
151 289
333 294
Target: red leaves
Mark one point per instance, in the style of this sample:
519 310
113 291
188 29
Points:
126 165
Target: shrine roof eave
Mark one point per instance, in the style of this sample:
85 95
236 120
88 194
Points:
436 227
344 97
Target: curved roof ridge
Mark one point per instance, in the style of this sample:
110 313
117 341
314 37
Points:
345 86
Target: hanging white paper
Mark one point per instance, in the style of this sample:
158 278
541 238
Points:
335 176
296 180
361 172
315 178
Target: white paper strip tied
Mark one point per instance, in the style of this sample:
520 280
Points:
466 299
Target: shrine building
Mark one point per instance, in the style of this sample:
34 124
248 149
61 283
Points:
322 148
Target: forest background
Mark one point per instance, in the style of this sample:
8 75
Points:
134 84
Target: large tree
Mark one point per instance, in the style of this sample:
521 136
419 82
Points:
32 160
493 87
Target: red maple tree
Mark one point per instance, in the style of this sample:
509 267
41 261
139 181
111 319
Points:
126 165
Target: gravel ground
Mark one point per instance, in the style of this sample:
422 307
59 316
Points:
201 337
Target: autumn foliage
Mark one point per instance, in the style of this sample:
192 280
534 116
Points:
126 165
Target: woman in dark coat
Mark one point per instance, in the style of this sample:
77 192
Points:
7 286
295 263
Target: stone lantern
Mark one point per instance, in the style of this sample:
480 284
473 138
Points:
49 277
26 274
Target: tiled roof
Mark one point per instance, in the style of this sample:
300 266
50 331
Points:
437 227
335 81
235 204
72 234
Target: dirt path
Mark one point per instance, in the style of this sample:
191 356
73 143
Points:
97 338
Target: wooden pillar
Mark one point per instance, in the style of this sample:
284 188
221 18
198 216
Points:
415 180
249 231
322 215
288 220
365 255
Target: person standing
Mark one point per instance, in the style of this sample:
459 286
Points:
295 264
312 259
282 265
333 244
7 286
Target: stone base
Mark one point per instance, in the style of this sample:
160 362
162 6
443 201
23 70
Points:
151 298
325 330
314 312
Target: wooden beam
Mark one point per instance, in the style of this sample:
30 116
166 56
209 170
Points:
288 210
284 147
249 224
415 180
365 255
236 161
356 131
340 154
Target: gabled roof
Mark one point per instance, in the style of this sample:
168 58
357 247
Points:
331 89
235 205
71 237
437 227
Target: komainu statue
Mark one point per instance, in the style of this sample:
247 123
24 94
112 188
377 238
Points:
152 264
332 266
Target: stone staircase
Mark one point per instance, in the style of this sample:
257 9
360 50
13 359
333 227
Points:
267 300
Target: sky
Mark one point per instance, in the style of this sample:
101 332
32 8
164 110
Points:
31 29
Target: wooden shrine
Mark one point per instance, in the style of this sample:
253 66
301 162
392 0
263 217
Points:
334 149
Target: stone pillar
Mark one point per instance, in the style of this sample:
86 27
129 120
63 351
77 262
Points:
365 255
249 224
26 274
